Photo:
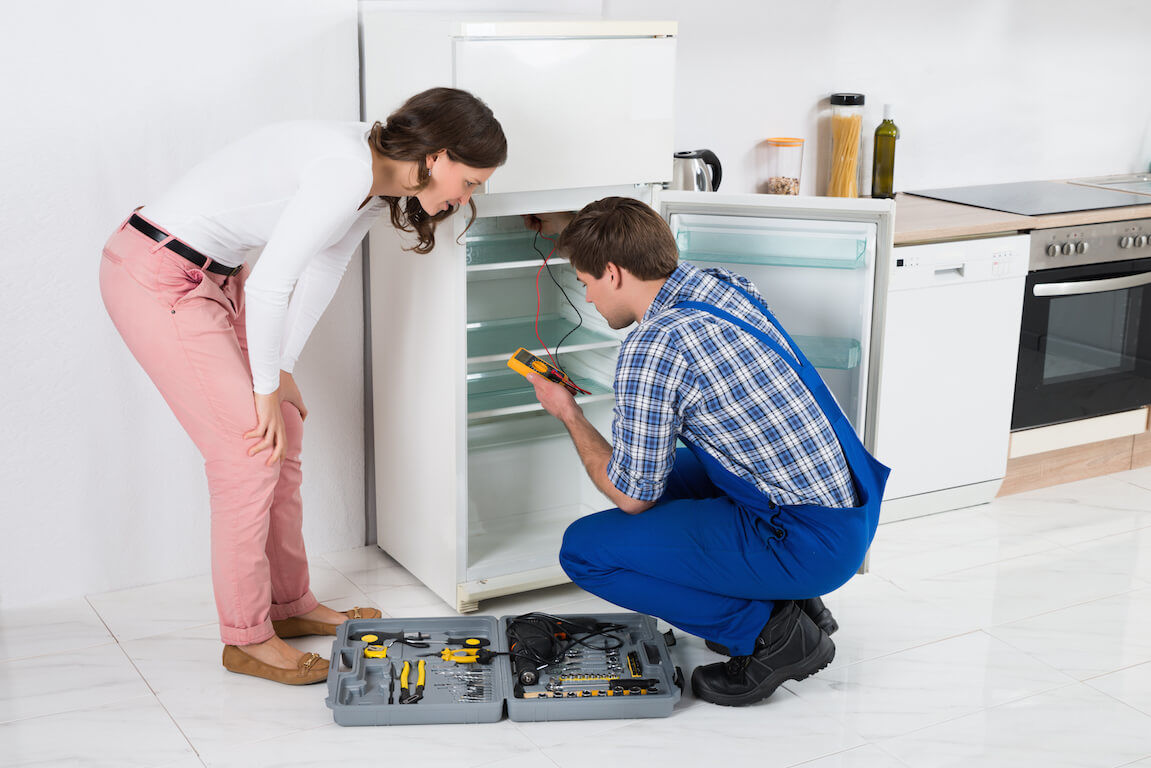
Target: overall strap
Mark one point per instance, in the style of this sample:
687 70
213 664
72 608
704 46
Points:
795 359
771 343
771 319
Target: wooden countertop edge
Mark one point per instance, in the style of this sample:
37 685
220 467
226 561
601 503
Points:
923 219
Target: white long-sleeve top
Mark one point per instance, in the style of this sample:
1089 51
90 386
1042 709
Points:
293 189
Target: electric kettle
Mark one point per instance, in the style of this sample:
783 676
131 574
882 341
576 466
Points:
698 170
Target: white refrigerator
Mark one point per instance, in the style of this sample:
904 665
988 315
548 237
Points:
474 483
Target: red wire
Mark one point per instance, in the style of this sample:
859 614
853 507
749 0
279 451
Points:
537 323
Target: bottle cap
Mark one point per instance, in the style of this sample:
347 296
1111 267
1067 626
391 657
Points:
887 110
847 99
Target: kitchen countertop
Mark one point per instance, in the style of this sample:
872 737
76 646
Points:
924 220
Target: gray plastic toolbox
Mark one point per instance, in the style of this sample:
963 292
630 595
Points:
592 681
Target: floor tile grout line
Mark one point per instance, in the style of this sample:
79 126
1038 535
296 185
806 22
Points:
1054 547
1069 606
1118 700
945 721
868 743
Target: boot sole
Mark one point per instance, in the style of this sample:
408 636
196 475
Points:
823 655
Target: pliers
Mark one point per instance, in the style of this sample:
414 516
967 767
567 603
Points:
412 698
466 655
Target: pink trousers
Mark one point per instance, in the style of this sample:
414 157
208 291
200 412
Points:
185 326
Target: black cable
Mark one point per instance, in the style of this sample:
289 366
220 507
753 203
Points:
533 643
535 240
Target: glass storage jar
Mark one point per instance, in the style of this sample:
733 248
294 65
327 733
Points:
846 145
783 166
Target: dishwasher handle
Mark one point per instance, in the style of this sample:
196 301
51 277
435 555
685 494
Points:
1092 286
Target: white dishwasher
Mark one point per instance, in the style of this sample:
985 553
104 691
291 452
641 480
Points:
947 372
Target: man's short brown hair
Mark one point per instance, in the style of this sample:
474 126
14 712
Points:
625 232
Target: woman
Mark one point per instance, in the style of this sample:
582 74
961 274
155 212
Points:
220 341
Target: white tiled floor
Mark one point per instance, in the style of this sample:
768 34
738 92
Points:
1014 634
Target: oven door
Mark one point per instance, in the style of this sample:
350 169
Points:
1085 345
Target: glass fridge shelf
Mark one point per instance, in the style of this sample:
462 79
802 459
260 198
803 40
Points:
506 249
743 244
492 340
830 352
505 392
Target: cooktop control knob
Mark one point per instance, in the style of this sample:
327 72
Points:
1125 241
1053 250
1141 241
1068 249
1081 247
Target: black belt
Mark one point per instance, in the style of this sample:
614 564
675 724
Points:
183 249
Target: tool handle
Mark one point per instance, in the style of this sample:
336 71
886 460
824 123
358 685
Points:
420 673
468 642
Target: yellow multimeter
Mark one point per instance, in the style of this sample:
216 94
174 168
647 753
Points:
524 362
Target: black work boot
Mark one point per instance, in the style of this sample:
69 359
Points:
820 614
790 647
813 607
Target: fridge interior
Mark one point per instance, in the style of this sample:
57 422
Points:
525 480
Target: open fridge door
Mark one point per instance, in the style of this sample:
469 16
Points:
818 262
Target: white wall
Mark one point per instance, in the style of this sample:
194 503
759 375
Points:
104 105
985 91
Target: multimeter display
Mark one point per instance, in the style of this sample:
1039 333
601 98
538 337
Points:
524 362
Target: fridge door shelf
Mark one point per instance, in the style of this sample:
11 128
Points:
831 352
786 243
496 340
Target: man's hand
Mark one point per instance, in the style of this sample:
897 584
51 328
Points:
555 398
548 223
290 393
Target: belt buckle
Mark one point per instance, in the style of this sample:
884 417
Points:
235 270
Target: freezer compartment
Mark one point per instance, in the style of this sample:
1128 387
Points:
707 238
526 483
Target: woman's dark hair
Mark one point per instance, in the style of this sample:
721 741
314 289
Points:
438 118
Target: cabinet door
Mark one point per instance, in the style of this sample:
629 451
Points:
812 260
590 109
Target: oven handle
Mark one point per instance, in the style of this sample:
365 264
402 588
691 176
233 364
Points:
1092 286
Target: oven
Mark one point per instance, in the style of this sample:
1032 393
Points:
1085 343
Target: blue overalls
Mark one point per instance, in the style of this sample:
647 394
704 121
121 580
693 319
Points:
714 552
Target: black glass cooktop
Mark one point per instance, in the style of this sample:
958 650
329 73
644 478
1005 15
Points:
1035 198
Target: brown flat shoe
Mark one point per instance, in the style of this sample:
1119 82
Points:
297 627
310 668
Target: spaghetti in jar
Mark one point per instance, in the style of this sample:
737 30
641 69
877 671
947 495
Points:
846 144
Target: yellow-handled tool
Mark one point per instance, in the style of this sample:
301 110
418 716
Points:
412 698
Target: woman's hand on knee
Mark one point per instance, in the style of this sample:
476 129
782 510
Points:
269 427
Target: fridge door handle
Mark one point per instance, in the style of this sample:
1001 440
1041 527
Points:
1103 285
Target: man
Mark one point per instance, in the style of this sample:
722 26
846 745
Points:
773 501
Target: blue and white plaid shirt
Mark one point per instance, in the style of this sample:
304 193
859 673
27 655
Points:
687 372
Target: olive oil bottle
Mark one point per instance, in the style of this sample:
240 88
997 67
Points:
883 165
